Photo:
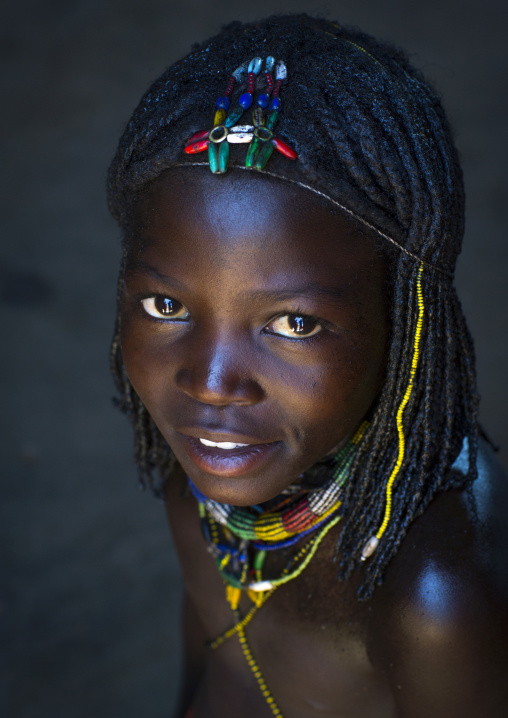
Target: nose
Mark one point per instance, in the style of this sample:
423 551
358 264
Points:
218 371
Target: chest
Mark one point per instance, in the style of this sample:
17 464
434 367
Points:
310 638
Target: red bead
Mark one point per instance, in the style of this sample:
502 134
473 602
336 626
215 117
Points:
251 83
230 86
277 87
269 82
298 519
284 149
198 136
197 147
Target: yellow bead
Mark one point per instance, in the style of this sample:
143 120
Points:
233 596
220 116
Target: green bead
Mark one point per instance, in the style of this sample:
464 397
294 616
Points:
272 119
233 117
264 155
252 153
259 560
223 157
213 157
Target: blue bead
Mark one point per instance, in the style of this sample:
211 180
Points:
269 63
275 103
255 65
245 100
223 103
263 101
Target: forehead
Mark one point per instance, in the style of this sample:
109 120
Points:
190 209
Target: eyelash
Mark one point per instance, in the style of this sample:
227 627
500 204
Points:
295 314
150 300
300 315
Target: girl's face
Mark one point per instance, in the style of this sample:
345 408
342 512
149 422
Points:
254 327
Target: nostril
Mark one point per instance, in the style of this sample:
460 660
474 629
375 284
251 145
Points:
218 388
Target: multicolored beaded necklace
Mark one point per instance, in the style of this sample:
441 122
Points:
239 538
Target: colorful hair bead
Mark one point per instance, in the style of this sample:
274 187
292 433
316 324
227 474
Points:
213 158
219 118
259 135
218 134
269 63
254 68
284 149
281 74
234 116
275 104
195 147
258 117
240 137
198 136
223 103
264 98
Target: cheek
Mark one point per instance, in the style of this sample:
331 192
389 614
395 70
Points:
331 399
143 363
319 395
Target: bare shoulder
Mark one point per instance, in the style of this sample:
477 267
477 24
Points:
440 621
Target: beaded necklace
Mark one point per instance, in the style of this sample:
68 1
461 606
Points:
238 538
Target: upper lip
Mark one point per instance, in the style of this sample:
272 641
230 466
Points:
223 435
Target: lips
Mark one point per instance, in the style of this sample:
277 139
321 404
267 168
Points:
228 456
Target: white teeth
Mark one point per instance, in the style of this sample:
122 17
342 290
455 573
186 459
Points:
222 444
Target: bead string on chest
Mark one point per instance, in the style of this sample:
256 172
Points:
240 537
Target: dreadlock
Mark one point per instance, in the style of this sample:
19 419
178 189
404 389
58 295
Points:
371 134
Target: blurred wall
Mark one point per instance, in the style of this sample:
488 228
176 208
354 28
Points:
89 586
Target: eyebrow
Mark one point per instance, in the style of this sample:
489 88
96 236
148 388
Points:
139 267
307 290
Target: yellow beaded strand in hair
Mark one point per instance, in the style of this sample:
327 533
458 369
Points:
373 542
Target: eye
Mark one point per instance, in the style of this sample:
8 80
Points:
295 326
164 308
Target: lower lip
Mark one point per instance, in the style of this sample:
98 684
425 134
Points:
229 463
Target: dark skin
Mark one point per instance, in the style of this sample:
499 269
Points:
254 313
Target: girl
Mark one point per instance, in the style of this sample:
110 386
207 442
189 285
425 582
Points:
294 359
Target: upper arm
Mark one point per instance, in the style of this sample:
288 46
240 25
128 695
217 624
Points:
445 650
440 623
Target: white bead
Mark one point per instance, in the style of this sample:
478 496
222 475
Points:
281 71
239 72
260 586
242 128
255 65
370 547
236 138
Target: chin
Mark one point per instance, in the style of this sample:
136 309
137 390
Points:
244 491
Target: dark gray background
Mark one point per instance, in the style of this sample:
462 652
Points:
89 584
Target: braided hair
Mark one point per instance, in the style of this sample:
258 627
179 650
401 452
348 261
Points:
372 135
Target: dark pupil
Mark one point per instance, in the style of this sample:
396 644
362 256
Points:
165 305
302 325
